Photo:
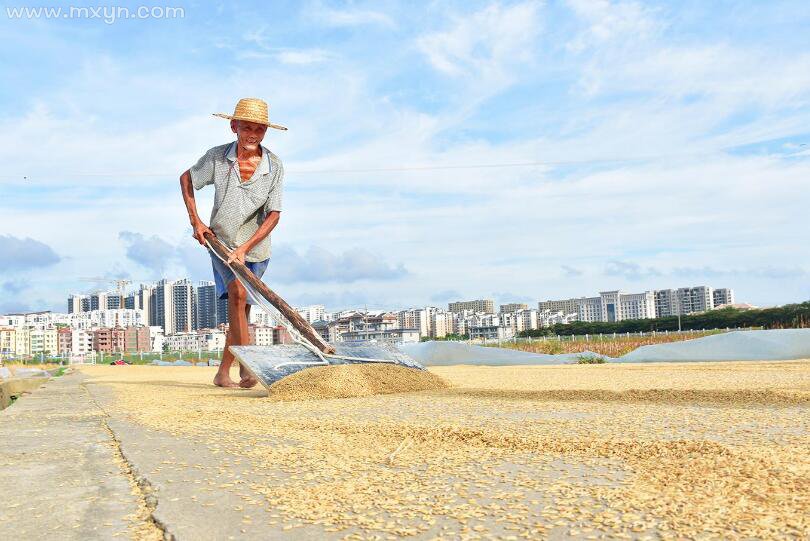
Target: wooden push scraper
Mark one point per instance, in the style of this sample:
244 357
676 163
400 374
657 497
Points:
269 364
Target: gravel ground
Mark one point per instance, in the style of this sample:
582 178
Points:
652 451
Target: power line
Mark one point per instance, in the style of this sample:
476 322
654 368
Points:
401 168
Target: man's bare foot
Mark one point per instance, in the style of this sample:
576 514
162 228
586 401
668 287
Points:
224 380
248 380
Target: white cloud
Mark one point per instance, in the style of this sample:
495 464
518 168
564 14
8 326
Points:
304 56
348 17
486 45
515 229
607 20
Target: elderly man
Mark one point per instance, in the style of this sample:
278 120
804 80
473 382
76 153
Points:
247 179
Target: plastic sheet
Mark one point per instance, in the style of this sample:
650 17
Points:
770 345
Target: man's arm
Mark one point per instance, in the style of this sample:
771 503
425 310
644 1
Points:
269 223
191 206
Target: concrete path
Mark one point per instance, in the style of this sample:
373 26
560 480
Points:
63 476
70 470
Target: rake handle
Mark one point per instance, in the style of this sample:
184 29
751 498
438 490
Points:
281 305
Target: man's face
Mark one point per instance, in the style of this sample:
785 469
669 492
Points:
249 134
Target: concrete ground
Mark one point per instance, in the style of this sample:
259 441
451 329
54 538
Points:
575 452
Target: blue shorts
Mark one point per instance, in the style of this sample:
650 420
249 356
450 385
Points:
224 275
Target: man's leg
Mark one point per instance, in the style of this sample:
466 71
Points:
247 380
237 332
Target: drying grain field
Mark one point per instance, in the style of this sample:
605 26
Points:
652 451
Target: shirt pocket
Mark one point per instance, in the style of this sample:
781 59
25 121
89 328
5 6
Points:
256 194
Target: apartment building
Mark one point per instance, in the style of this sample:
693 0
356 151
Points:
262 335
491 332
105 318
78 303
43 341
415 318
121 339
185 341
619 306
546 318
442 324
589 309
81 344
161 307
206 306
64 342
688 300
8 341
185 306
566 306
722 296
513 307
281 336
486 306
316 312
388 335
608 306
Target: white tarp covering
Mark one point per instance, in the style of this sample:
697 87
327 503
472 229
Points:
770 345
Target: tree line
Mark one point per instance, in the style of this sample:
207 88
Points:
782 317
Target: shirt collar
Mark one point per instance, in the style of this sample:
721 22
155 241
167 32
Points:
264 165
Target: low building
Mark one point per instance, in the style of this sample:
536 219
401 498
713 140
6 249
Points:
491 332
382 335
281 336
262 335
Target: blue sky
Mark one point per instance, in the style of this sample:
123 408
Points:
514 150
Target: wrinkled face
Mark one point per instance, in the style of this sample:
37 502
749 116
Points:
249 134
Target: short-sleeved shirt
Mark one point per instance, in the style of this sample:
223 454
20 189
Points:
240 207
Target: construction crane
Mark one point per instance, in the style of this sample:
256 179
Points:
120 284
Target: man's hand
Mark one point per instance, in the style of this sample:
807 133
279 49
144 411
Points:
238 254
200 229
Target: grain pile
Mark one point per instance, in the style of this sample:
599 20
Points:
354 380
614 451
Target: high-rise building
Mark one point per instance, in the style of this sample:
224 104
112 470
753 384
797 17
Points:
666 303
479 305
513 307
608 306
415 318
441 324
695 299
313 313
222 311
161 307
185 306
78 303
723 296
206 305
98 301
566 306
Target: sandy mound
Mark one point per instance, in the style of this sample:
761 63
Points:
349 380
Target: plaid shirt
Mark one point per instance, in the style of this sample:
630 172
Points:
240 207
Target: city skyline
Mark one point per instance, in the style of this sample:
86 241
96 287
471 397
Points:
516 151
483 303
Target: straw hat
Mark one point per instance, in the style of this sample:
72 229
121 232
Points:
252 110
